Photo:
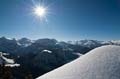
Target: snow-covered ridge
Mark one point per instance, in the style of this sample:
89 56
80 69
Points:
7 61
94 43
100 63
24 42
48 51
87 43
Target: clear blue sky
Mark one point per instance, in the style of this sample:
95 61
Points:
68 20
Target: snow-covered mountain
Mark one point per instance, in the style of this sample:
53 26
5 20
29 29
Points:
87 43
94 43
43 55
24 42
6 61
100 63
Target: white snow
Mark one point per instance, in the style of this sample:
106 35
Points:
13 65
7 61
47 51
100 63
11 61
79 54
117 42
25 45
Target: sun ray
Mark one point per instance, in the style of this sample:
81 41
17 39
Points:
40 11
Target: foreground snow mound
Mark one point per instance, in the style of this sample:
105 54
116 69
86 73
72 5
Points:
100 63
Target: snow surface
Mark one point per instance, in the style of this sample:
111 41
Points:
100 63
7 61
79 54
12 65
48 51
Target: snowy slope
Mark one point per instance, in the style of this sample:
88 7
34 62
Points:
48 51
100 63
7 61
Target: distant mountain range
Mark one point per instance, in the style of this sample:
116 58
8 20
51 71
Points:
43 55
25 42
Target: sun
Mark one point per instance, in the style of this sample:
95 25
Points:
40 11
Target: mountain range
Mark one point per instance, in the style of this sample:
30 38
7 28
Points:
100 63
43 55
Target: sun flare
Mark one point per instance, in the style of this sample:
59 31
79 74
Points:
40 11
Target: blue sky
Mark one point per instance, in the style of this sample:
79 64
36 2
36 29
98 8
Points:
67 20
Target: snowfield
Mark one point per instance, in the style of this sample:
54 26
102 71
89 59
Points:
48 51
7 61
100 63
4 59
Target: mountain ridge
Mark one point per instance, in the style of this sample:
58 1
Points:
92 65
47 53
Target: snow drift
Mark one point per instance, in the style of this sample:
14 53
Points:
100 63
7 61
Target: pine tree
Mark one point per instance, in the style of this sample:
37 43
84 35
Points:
29 76
5 72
